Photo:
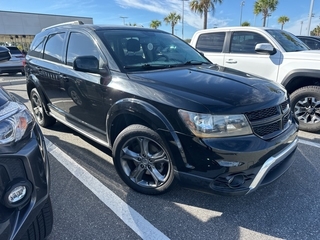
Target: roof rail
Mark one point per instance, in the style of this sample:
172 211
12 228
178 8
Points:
65 23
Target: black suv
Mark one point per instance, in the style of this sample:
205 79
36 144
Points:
163 109
25 206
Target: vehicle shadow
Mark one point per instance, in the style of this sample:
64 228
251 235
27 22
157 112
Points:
288 208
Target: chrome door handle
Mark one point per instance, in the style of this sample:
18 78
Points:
231 61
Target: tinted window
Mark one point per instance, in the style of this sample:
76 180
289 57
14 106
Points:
245 42
81 45
288 41
14 50
53 48
311 43
36 47
211 42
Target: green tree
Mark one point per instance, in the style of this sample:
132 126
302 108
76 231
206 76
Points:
265 7
245 24
203 7
172 19
155 24
282 20
315 31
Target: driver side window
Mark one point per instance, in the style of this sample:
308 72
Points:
81 45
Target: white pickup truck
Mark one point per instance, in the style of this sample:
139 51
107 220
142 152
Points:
273 54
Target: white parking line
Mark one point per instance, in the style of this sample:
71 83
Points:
127 214
309 143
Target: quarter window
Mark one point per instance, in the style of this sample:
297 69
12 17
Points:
53 48
245 42
211 42
81 45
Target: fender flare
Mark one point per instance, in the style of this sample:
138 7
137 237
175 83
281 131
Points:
150 114
300 73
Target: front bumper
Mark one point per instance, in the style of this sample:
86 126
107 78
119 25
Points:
29 164
236 166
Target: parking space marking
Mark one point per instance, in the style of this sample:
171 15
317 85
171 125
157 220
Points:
127 214
317 145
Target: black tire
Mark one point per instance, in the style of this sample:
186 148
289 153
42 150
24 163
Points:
42 118
305 104
148 171
41 227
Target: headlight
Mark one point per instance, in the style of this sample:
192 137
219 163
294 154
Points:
209 126
15 122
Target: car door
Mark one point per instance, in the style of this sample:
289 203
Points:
241 55
47 68
211 44
85 91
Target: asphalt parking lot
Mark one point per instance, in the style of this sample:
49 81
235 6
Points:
91 202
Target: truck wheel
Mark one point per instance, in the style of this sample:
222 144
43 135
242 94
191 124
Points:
305 104
41 227
142 160
43 119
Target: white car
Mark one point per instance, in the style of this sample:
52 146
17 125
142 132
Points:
15 64
273 54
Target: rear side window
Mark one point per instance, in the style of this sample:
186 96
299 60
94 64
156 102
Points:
53 48
36 47
211 42
14 50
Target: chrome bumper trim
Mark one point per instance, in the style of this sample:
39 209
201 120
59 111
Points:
270 163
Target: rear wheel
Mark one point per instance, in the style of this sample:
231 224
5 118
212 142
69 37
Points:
305 104
41 227
42 118
142 160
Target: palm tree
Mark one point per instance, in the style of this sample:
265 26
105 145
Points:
282 20
266 7
172 19
315 31
155 24
203 7
245 24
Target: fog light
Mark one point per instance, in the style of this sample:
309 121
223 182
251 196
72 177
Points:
224 163
17 194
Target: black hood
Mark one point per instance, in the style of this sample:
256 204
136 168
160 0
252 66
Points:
214 86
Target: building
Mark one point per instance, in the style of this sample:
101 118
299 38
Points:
19 28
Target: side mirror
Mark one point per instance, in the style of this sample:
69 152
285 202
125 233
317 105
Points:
86 64
265 48
4 54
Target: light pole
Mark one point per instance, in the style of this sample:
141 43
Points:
268 18
183 17
241 6
310 17
301 27
124 20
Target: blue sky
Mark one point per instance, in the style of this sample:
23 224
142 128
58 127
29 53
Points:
141 12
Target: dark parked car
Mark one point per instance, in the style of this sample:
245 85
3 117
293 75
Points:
313 42
15 64
165 111
25 206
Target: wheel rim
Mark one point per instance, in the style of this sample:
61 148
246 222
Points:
37 108
307 110
145 162
75 97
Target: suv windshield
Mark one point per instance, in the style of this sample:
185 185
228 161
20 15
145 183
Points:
288 41
144 50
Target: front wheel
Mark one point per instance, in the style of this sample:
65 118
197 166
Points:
305 104
142 160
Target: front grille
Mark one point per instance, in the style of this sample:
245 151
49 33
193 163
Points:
269 122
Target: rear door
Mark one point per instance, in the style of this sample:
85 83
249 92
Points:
212 45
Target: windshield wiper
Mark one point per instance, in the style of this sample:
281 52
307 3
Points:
147 66
195 62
